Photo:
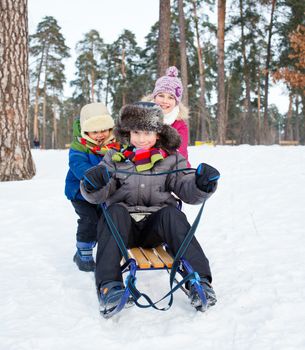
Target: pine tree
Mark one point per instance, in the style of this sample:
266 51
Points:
125 70
221 72
89 74
48 48
294 77
183 55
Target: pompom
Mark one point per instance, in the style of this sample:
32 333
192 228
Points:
172 71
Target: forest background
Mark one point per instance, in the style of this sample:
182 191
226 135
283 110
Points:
264 43
229 54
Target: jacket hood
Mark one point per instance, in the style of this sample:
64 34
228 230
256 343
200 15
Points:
76 128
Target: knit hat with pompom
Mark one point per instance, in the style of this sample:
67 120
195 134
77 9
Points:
169 83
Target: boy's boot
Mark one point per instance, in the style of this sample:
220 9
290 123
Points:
209 294
83 257
110 295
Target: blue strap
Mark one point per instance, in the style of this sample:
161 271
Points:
152 174
186 242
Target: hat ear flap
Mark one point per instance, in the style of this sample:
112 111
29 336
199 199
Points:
169 139
121 135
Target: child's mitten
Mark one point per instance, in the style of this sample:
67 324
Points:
206 177
96 177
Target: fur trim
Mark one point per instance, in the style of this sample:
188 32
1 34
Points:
140 117
121 136
169 139
183 111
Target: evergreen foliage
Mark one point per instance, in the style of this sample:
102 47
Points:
122 72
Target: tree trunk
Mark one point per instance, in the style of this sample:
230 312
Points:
44 112
221 113
297 122
36 104
92 85
301 130
55 137
16 161
227 103
248 127
259 126
164 36
123 70
202 102
288 127
268 59
183 58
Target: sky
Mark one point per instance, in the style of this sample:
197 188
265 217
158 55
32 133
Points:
252 231
110 18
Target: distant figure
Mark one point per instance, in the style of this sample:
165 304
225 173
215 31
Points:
36 143
168 94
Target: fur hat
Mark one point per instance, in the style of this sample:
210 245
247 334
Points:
169 83
95 117
146 116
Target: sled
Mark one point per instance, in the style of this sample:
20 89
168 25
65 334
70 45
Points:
143 259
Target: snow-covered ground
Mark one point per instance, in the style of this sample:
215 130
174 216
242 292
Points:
252 230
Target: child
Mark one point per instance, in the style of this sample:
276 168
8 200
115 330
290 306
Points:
92 132
151 148
168 94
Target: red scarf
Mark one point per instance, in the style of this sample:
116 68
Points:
144 159
97 149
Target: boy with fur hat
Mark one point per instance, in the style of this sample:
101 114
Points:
92 137
150 149
167 94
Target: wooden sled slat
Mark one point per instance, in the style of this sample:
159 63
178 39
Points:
165 257
140 258
153 258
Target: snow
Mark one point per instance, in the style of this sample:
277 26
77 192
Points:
252 230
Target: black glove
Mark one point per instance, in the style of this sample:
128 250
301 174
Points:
206 177
95 178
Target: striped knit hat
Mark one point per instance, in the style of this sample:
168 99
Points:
169 83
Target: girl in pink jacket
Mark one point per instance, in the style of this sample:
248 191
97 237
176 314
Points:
167 94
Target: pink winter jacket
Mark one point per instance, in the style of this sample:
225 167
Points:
181 126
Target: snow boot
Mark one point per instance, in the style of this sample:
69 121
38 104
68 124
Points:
83 257
110 295
209 293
